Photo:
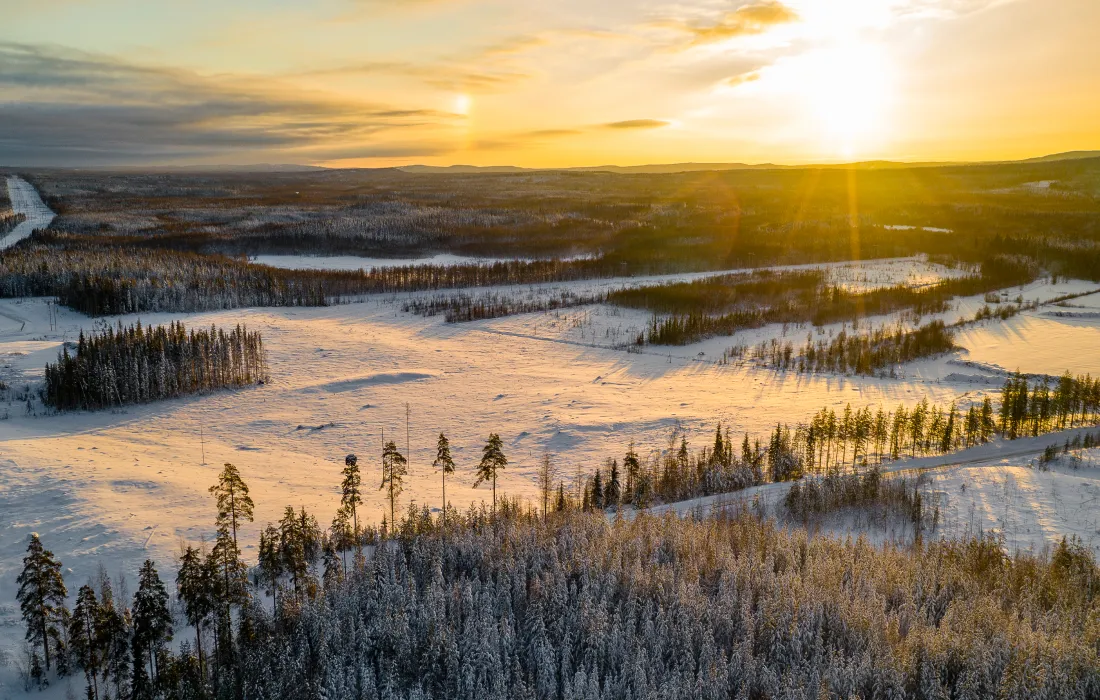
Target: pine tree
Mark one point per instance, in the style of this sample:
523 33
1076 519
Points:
234 507
234 504
83 637
446 465
351 497
546 482
152 621
41 598
394 469
492 461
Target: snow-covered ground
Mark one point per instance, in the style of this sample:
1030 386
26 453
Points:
999 488
355 262
118 487
1041 341
25 200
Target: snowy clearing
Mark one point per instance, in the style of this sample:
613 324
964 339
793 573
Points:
119 486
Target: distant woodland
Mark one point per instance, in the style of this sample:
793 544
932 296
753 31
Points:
137 241
755 300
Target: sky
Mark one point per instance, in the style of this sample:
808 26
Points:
546 83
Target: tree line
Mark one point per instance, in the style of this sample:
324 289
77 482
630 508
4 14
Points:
859 353
139 364
835 442
462 307
87 274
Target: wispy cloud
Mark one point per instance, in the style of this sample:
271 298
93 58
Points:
71 107
747 20
638 124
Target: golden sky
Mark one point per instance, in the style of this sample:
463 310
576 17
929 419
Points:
547 83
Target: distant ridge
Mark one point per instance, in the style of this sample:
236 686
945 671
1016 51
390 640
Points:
665 168
1068 155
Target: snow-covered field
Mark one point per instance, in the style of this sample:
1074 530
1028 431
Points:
118 487
25 200
355 262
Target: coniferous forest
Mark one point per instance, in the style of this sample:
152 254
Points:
567 604
136 364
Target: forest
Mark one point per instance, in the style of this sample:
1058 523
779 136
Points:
136 364
519 603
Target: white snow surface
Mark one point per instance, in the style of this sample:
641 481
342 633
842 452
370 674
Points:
25 200
116 487
355 262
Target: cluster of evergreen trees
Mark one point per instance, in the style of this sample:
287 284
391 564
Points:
1037 407
812 498
462 307
9 220
859 353
693 316
572 605
121 650
139 364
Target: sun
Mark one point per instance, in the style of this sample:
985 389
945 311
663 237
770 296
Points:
842 93
848 90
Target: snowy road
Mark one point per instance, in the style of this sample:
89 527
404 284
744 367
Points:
25 200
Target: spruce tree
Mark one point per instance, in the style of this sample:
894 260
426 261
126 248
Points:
597 498
613 491
341 536
632 466
271 564
446 465
83 637
492 461
113 633
41 598
196 591
152 621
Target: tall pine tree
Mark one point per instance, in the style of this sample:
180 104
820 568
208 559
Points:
492 461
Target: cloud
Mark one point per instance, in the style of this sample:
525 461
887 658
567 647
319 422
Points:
742 78
638 124
66 107
754 18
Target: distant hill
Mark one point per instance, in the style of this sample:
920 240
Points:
1068 155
